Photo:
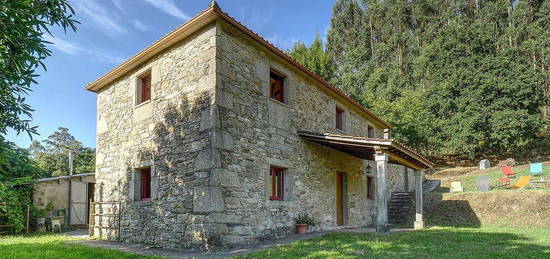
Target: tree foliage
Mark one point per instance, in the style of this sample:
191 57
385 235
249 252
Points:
52 154
23 24
454 77
16 168
314 57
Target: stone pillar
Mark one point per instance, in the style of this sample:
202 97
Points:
382 225
419 221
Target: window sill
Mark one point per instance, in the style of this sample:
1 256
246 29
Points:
142 203
141 104
280 103
276 199
340 131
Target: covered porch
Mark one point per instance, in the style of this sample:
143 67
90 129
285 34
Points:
382 151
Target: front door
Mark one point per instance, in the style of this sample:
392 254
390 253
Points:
340 206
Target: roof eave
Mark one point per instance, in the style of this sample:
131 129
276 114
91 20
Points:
208 15
180 33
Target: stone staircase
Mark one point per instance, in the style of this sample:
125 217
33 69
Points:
400 206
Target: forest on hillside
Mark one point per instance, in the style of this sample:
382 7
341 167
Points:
463 78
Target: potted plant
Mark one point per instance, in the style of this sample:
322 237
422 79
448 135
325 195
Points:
303 221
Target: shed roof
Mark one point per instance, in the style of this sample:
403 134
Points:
63 177
365 148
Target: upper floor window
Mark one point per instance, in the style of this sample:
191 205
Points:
370 132
277 183
144 88
277 86
339 118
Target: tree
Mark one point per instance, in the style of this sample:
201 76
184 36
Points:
454 77
23 48
349 44
52 155
314 57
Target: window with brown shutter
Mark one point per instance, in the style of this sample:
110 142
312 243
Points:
339 118
370 187
145 191
277 86
277 183
144 91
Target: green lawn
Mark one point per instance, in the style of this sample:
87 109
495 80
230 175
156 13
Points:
53 246
486 242
469 181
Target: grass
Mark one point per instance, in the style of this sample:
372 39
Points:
485 242
54 246
440 242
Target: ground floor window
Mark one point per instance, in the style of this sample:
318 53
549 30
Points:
145 188
277 183
370 187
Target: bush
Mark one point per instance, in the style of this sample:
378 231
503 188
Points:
14 201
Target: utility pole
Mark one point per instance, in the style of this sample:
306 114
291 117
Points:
70 188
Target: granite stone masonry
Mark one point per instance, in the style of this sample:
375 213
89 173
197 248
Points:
210 134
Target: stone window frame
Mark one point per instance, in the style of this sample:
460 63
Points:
284 80
145 189
369 128
372 173
370 189
275 195
339 118
135 183
288 179
147 71
287 84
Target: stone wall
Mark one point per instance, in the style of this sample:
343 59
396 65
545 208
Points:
171 133
210 134
265 134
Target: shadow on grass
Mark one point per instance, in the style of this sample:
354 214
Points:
440 243
53 246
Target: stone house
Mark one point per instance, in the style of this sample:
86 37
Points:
213 136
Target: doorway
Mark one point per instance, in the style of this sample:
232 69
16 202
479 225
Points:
90 198
341 199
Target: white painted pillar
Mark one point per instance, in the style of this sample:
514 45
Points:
419 221
382 225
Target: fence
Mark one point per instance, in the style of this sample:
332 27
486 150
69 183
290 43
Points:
99 212
4 226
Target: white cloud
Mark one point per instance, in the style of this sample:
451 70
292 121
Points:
257 21
120 5
63 45
75 50
281 42
140 26
99 16
169 7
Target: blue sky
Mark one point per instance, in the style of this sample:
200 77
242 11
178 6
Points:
113 30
